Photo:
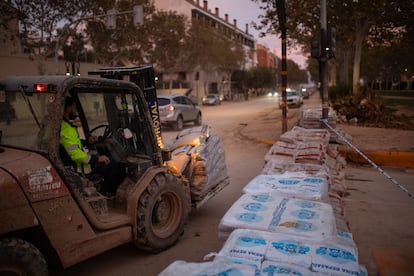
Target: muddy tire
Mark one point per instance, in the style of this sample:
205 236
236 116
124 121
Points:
19 257
162 213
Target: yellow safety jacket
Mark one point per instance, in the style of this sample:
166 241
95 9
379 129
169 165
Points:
69 139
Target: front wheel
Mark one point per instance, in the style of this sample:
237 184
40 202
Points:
162 213
19 257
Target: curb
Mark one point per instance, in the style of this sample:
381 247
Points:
382 158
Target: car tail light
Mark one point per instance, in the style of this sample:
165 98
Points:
171 108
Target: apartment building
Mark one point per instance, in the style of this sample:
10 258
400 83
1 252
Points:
265 57
216 82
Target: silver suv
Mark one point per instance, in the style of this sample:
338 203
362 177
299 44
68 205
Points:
293 98
176 109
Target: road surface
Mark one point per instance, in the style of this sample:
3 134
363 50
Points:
244 158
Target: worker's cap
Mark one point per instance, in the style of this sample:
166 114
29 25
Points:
69 101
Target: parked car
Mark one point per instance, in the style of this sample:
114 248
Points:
211 99
305 93
293 98
175 110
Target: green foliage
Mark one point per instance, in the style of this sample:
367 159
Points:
295 74
211 50
164 43
239 79
356 23
261 77
339 91
44 25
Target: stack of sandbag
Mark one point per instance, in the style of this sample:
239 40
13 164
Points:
278 214
300 146
209 165
252 252
183 143
266 251
311 119
180 157
205 153
290 218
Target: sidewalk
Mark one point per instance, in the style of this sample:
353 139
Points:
380 214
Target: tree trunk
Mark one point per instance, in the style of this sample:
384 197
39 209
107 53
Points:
344 74
360 35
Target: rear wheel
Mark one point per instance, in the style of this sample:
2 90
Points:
198 120
179 124
162 213
19 257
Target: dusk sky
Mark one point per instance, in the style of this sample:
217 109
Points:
246 11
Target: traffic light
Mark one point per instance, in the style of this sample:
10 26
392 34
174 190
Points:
331 42
315 49
111 19
138 15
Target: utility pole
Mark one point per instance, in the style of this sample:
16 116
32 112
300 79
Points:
323 61
281 13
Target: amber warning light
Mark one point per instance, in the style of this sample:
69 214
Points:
41 87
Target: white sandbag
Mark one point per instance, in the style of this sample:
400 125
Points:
219 267
297 134
282 153
337 255
246 244
311 219
209 167
335 259
179 159
310 188
276 167
270 268
191 136
302 150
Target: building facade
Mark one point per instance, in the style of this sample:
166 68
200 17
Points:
218 82
265 57
198 81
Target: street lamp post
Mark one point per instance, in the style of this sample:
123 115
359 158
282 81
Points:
323 61
280 5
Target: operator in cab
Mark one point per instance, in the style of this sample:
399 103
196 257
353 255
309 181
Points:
84 162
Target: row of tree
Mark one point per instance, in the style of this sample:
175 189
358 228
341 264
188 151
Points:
374 38
76 31
69 28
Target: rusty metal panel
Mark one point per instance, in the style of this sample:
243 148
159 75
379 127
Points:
17 218
15 211
71 234
77 252
63 222
37 177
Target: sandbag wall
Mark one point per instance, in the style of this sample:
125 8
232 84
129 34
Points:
205 152
290 218
209 163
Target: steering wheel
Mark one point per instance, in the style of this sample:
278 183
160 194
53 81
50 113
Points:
106 134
